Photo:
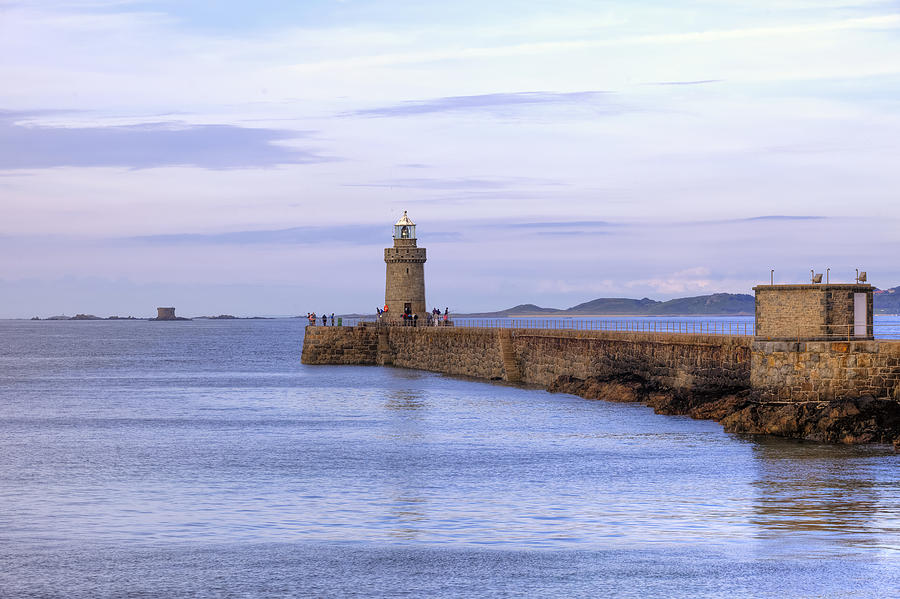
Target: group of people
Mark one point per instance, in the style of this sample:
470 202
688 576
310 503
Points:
408 319
313 319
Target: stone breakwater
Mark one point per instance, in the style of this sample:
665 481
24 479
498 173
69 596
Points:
340 345
842 393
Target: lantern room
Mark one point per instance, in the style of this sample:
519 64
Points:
404 228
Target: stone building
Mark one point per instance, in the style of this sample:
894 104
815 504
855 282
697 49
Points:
815 311
165 314
404 290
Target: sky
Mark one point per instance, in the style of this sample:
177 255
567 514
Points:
249 158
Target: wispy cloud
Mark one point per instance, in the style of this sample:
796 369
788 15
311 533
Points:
562 224
885 21
147 145
343 235
779 217
698 82
492 102
461 183
697 279
773 218
571 233
354 235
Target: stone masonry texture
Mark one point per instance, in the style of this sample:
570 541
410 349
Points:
775 371
339 345
708 363
813 371
808 311
404 278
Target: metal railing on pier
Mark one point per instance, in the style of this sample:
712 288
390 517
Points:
831 332
888 329
684 327
620 325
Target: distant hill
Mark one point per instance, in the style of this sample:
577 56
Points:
734 304
717 304
615 305
530 309
887 301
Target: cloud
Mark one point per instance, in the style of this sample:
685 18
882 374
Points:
344 234
699 82
773 218
542 47
347 234
460 183
561 224
147 145
571 233
696 279
491 102
779 217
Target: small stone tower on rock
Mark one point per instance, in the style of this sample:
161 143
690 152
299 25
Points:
404 291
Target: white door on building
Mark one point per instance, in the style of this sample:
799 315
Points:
860 315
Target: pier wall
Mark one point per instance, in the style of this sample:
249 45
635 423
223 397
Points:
701 362
450 350
776 371
536 356
815 371
340 345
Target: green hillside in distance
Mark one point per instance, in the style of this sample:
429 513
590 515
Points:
887 301
615 305
717 304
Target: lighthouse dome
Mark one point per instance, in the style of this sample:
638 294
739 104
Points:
404 228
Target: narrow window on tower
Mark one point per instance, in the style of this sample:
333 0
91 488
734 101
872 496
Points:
407 271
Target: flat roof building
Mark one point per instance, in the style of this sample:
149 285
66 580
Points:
814 311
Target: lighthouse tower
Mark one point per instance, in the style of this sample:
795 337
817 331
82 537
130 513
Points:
404 290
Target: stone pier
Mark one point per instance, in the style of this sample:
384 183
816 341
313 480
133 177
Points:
538 356
834 391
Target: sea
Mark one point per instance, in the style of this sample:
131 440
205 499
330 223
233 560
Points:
201 459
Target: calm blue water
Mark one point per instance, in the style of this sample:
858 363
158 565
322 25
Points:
201 459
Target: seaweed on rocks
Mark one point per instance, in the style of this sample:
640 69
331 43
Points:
849 421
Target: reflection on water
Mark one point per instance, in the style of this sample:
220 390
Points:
407 514
405 400
847 494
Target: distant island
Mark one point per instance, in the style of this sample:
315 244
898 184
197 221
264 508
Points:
87 317
92 317
887 301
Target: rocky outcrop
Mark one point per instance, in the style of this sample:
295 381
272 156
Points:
852 420
849 420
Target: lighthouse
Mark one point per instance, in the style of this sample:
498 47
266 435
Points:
404 290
